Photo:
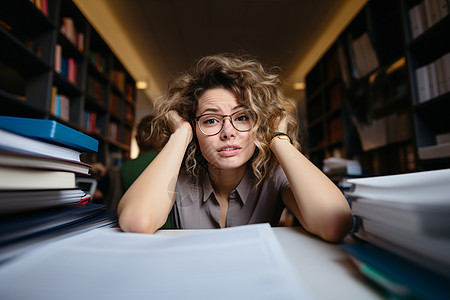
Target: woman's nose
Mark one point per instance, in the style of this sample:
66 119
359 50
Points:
228 129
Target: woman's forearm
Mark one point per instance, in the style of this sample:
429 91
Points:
147 203
322 208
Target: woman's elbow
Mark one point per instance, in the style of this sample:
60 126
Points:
136 223
338 227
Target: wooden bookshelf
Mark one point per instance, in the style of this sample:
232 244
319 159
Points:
54 65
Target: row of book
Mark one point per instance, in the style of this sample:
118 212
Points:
129 113
69 30
40 195
42 5
425 14
433 79
339 170
98 61
66 66
60 105
378 132
335 130
365 59
90 121
114 131
404 224
95 89
114 104
117 77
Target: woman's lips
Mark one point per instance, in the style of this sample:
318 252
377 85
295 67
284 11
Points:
230 150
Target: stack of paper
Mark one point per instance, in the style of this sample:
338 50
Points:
245 262
407 214
39 197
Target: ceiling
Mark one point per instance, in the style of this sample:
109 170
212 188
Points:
161 38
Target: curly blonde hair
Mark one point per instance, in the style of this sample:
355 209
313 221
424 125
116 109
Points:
257 89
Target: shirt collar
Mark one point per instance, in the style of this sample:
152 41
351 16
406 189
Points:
243 188
207 188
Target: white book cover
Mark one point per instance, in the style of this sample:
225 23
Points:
15 142
30 179
27 160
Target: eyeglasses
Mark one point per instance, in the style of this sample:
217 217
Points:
211 124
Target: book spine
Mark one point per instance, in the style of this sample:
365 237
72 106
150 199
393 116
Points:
433 81
446 67
416 21
68 30
64 66
440 73
44 8
431 12
65 108
443 8
423 88
58 58
53 99
80 41
72 70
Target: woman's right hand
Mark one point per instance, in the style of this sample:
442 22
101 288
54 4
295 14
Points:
176 122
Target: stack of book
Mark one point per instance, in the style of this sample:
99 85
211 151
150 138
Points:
39 196
339 170
404 221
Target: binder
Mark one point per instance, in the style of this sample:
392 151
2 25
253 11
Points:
423 282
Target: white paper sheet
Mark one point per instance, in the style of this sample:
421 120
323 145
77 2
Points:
244 262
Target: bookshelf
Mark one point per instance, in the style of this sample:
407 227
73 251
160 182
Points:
390 90
359 95
54 65
325 116
428 52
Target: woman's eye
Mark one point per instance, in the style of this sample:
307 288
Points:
210 121
242 118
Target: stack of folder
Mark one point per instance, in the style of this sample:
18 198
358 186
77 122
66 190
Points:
404 221
39 196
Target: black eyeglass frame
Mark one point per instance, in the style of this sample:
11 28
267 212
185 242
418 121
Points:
197 119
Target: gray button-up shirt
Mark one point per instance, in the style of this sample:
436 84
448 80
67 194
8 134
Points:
196 205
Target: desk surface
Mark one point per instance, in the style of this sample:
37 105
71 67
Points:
324 267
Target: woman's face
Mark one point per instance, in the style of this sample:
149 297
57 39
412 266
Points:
230 148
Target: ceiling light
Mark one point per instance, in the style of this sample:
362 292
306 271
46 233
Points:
141 85
299 86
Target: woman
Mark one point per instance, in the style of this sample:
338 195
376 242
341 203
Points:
230 158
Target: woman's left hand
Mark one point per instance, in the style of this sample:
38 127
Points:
282 125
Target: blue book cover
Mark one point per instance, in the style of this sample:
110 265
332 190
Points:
50 131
